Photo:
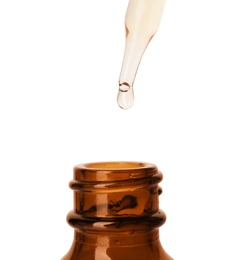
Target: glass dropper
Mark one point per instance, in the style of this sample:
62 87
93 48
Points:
142 20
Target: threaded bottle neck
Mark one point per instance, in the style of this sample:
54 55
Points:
116 189
116 214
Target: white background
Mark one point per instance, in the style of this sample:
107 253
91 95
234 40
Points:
59 67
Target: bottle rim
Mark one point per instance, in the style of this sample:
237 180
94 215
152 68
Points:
114 171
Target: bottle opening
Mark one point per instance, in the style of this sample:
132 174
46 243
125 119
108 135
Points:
115 165
114 171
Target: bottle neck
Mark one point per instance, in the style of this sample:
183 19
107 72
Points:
116 190
117 202
116 213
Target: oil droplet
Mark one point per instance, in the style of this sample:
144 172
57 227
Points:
125 97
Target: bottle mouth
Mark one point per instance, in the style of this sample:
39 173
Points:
116 165
114 171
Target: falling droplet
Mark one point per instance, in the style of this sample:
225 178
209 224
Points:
125 97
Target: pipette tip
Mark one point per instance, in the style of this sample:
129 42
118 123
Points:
125 97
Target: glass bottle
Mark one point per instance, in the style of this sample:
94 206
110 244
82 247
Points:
116 214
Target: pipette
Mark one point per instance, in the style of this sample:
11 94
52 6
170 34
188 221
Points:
142 20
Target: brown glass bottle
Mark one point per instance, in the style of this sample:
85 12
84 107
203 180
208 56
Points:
116 214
